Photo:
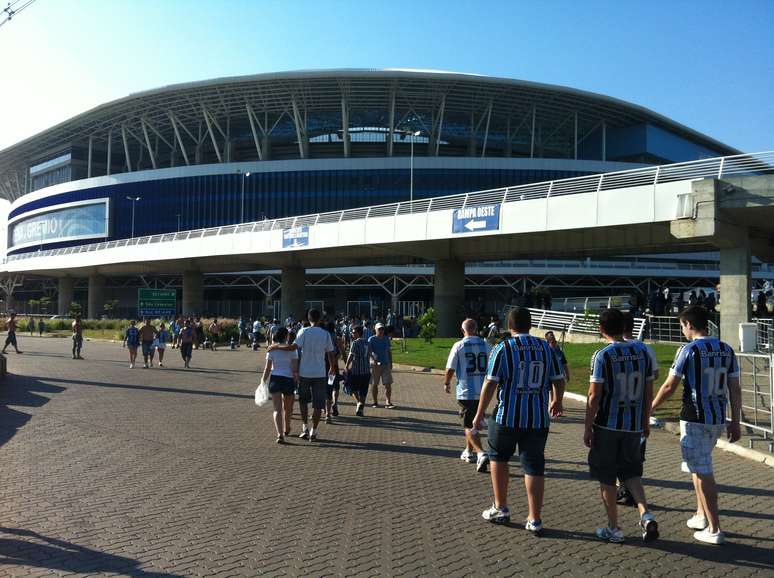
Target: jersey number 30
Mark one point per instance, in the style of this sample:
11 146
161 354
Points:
476 363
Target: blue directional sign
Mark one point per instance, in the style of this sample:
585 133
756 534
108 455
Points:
295 237
476 219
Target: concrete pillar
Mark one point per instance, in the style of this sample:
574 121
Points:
266 148
735 286
292 292
193 293
449 297
65 296
96 296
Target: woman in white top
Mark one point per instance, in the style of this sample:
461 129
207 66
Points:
281 374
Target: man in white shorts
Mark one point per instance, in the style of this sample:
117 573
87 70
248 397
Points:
710 375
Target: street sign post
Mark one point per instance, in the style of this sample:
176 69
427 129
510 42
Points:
295 237
156 302
476 219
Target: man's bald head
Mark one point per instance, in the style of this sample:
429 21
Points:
469 327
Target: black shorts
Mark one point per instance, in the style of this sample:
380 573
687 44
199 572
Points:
468 409
186 349
615 454
147 348
502 442
11 339
357 384
282 384
313 389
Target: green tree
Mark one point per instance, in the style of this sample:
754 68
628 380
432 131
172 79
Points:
110 307
75 309
45 304
33 304
428 324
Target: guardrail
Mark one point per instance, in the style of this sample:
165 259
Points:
757 382
765 338
717 167
585 323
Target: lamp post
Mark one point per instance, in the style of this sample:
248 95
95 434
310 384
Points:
242 209
178 222
134 204
413 135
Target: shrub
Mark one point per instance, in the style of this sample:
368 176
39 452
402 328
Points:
428 325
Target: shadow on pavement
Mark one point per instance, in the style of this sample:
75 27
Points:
19 390
380 447
730 553
150 388
57 554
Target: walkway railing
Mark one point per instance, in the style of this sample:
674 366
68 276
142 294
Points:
765 339
718 167
584 323
757 383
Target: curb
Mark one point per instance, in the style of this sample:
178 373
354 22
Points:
417 369
674 428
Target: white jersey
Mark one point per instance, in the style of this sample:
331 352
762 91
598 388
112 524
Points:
469 358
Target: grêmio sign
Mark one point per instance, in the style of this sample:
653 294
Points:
68 222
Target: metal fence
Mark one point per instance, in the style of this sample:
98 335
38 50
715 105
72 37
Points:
765 339
718 167
757 383
667 328
584 323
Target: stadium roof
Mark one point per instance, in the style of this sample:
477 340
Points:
183 117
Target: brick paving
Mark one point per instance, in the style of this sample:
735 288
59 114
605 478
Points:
173 472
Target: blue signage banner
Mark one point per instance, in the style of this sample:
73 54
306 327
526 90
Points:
295 237
72 222
476 219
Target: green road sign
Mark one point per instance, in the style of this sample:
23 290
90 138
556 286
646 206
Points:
156 302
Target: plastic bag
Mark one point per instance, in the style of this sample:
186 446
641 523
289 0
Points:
261 394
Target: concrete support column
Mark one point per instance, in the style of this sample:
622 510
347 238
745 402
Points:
266 148
96 295
292 292
449 297
735 286
193 293
65 295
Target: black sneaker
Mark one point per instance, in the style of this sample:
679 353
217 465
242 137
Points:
649 527
335 409
359 412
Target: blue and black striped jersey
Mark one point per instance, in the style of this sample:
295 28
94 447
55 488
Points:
624 369
705 364
524 367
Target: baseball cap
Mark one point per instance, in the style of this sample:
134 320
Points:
379 326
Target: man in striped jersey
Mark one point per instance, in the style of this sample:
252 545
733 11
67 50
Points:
617 411
710 375
468 360
521 371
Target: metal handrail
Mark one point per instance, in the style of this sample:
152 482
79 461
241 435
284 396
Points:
717 167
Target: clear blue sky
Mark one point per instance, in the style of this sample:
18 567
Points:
706 64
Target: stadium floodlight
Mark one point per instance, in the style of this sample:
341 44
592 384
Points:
134 204
13 9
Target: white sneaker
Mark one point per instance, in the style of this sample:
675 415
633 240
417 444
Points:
161 364
131 366
304 435
655 422
467 456
710 538
482 462
534 526
697 522
145 366
614 535
496 515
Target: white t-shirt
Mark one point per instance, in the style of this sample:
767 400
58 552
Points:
256 326
282 362
314 342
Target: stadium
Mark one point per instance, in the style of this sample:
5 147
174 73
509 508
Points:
235 150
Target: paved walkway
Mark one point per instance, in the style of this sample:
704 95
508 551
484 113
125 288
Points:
173 472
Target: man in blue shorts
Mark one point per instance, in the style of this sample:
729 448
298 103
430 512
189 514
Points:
468 359
710 375
617 411
521 371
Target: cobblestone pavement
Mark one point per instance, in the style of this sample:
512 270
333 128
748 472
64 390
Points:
173 472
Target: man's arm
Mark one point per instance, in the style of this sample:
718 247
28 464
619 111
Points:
557 407
487 392
283 347
592 406
666 391
647 401
447 380
735 397
334 365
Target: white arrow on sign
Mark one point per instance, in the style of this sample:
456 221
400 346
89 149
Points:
473 225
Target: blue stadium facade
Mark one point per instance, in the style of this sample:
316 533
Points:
243 149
